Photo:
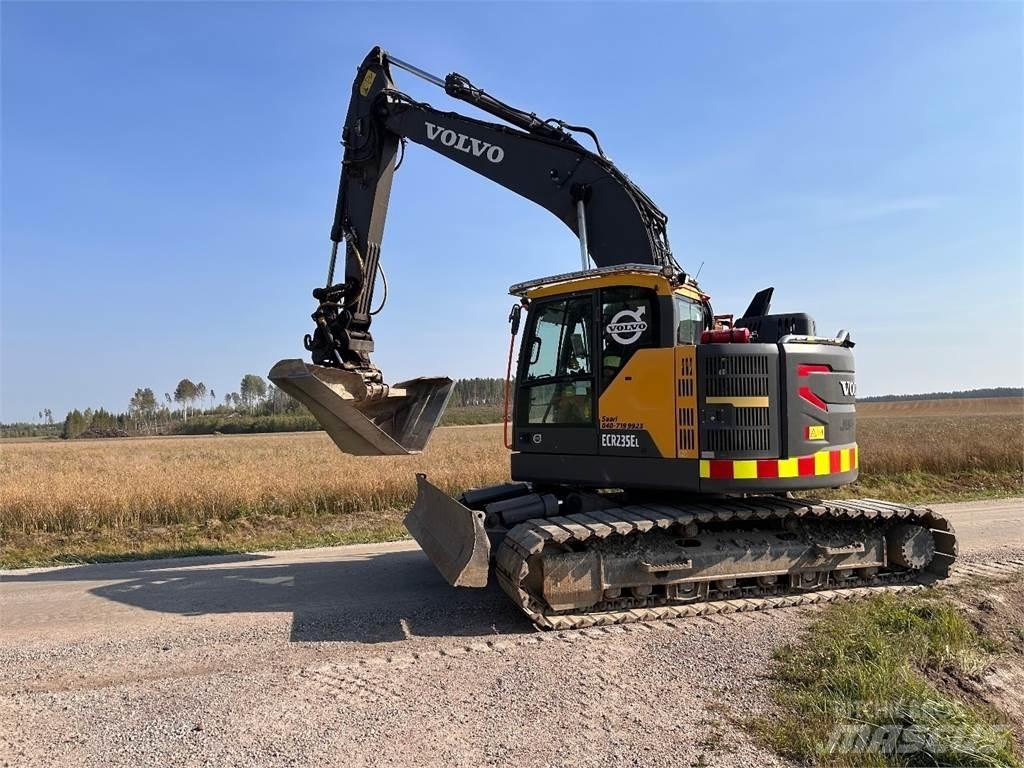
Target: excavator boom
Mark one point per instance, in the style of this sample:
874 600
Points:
537 159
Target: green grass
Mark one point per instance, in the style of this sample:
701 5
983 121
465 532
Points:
868 665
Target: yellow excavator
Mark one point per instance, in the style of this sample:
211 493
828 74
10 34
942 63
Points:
655 445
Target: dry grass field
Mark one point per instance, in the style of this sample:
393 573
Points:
107 498
942 436
982 406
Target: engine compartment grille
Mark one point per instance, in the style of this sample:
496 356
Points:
739 430
729 441
736 376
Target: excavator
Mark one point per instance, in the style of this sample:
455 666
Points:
661 454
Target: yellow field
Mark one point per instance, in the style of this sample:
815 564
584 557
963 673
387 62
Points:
225 487
942 436
71 485
984 406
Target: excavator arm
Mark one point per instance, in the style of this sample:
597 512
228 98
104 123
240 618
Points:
537 159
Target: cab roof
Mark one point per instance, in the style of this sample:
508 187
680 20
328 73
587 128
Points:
665 282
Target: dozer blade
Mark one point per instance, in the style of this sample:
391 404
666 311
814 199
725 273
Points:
451 534
363 420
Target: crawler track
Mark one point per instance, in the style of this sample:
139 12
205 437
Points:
529 539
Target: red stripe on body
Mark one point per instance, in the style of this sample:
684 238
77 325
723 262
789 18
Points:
721 470
767 468
813 399
805 466
834 462
806 369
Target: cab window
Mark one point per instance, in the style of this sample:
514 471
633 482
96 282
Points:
558 386
689 320
628 323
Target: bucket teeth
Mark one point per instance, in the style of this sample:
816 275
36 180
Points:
366 419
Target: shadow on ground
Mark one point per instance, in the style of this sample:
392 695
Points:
373 598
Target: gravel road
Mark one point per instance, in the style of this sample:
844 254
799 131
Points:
364 656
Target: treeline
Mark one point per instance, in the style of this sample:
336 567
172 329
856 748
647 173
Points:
966 394
235 424
149 414
257 406
99 423
472 392
44 427
29 429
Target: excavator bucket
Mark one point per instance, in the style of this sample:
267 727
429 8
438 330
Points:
366 420
450 534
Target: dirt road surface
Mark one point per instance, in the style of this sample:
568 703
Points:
363 656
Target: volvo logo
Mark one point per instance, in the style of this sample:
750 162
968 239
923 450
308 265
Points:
627 326
849 388
460 141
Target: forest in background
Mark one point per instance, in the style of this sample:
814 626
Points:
257 406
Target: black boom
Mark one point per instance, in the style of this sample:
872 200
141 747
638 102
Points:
538 159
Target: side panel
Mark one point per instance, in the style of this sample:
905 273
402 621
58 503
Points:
738 395
556 439
820 398
810 422
636 408
607 471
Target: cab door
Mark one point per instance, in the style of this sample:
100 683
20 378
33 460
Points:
636 406
555 409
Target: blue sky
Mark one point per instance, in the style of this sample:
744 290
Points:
169 175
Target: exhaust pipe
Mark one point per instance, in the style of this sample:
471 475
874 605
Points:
366 419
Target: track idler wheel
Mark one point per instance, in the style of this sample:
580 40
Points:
910 546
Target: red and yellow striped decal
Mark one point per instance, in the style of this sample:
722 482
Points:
820 463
